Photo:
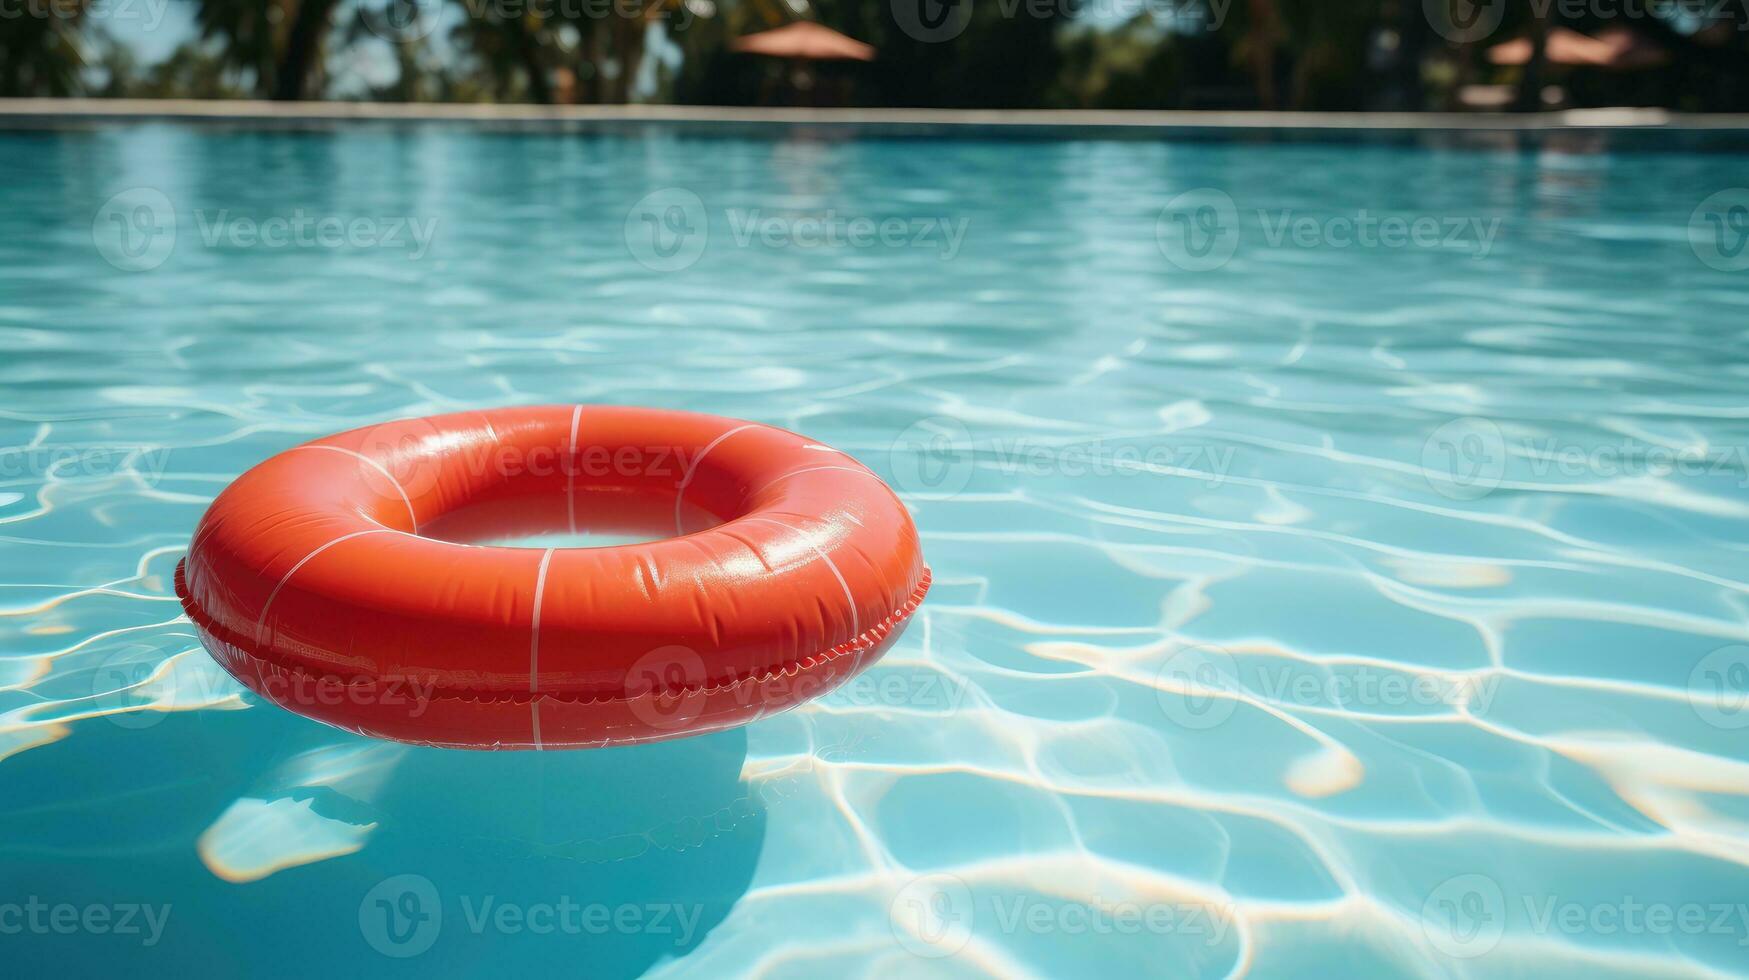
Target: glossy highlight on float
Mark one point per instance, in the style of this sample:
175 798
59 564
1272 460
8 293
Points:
339 578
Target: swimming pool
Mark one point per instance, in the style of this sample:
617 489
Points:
1339 549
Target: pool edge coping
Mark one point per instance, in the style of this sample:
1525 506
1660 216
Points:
192 110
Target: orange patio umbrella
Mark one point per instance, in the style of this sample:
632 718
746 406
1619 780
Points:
804 40
1616 47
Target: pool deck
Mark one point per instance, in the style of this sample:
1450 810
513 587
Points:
52 112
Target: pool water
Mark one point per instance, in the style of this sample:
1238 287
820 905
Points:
1340 550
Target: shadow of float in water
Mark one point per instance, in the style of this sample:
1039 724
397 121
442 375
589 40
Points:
338 854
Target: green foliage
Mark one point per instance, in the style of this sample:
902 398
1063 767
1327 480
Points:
194 70
245 35
40 53
1169 54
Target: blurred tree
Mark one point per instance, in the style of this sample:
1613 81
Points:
1290 54
592 50
1397 54
40 52
1134 65
1326 52
112 70
710 74
511 51
1530 81
1267 54
274 44
610 48
420 75
512 48
300 59
997 62
193 71
1002 57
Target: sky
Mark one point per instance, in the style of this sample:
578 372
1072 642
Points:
152 27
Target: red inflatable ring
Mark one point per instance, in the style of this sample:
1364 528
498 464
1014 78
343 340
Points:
338 579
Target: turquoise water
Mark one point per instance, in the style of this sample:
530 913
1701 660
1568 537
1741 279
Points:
1339 551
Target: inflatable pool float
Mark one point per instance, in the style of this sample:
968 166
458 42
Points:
339 578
